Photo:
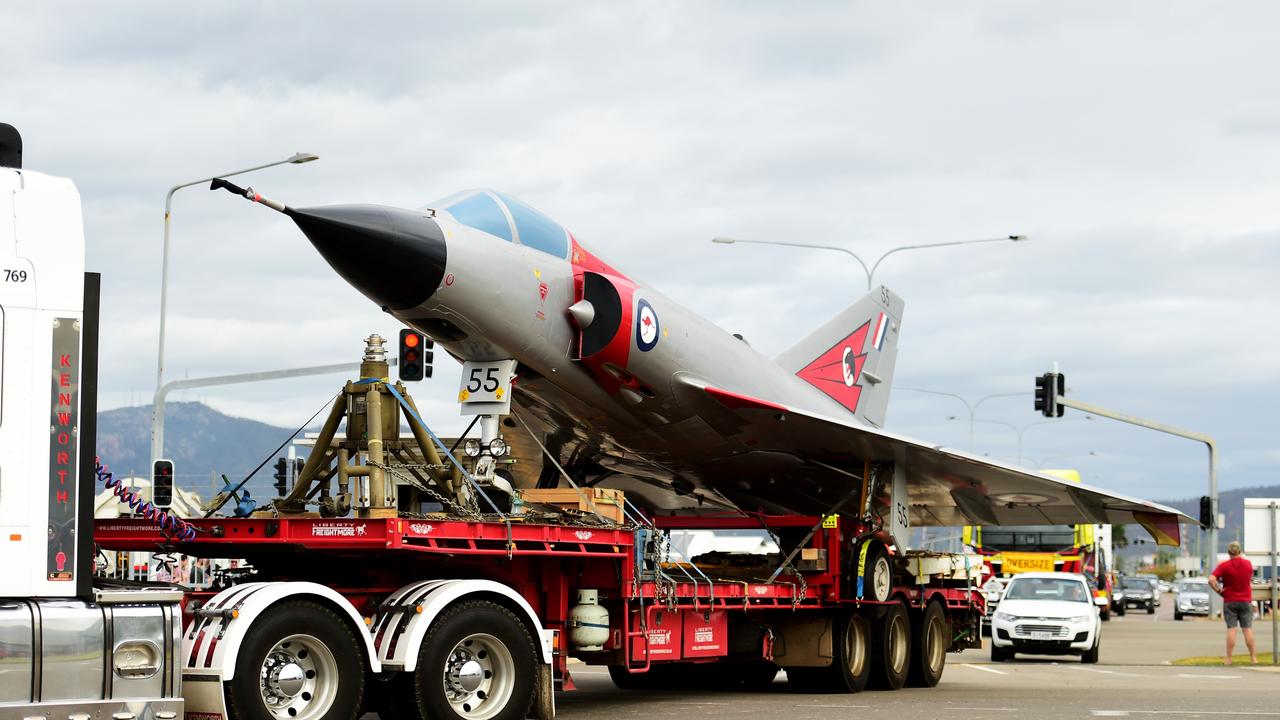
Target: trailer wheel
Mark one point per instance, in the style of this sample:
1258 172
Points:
891 649
300 662
873 571
850 665
476 663
624 680
929 647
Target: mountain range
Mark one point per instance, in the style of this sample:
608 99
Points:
204 443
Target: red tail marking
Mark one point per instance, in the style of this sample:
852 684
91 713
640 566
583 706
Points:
836 372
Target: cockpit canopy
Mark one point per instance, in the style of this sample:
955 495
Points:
505 217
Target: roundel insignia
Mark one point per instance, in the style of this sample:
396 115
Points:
647 329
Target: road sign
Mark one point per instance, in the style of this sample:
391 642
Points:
1261 540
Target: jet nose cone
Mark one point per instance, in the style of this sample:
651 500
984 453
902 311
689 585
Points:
394 257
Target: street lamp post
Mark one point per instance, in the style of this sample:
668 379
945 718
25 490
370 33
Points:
157 412
1020 430
871 271
971 407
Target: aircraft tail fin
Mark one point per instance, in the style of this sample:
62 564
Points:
851 357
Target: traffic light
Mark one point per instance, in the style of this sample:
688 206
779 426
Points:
1061 390
1206 512
162 484
415 355
1045 387
282 477
1048 387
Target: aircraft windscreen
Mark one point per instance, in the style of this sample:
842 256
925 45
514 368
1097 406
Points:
505 217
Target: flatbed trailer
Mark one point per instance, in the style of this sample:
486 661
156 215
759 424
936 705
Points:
533 595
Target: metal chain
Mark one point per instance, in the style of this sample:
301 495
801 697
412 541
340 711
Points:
396 470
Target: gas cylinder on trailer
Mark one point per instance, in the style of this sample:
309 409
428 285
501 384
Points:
588 622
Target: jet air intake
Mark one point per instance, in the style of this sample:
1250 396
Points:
598 314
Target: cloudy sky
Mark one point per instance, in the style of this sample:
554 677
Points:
1137 144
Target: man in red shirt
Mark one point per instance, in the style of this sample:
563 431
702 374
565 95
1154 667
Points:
1233 578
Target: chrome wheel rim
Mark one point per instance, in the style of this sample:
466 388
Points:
298 679
897 643
855 646
479 676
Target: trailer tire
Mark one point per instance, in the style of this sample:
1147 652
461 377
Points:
891 649
874 571
850 663
476 662
929 645
300 662
624 680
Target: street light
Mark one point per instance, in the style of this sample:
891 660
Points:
872 270
1042 463
1020 430
971 407
157 412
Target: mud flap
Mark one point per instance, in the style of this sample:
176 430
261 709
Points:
544 695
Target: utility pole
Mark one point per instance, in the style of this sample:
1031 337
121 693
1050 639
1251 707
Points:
1211 553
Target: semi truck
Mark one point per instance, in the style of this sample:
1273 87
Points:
400 576
1083 548
351 599
70 647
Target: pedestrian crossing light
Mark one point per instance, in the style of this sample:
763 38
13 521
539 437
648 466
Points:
162 484
415 356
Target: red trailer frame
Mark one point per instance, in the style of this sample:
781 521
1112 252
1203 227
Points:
367 559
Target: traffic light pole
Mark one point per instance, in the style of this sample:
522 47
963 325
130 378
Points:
1212 552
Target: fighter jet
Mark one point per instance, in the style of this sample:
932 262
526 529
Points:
628 389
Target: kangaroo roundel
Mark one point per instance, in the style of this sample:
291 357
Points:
646 326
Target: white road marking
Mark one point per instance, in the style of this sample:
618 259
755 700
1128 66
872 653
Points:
1233 713
1212 677
1100 671
984 669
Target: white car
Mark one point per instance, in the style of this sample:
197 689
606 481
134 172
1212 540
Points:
1047 614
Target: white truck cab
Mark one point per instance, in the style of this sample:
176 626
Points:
70 648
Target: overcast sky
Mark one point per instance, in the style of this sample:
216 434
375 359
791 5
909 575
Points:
1137 144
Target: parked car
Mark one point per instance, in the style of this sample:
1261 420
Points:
1191 597
1140 593
1047 614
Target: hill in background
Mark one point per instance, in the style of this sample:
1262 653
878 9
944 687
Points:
202 442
